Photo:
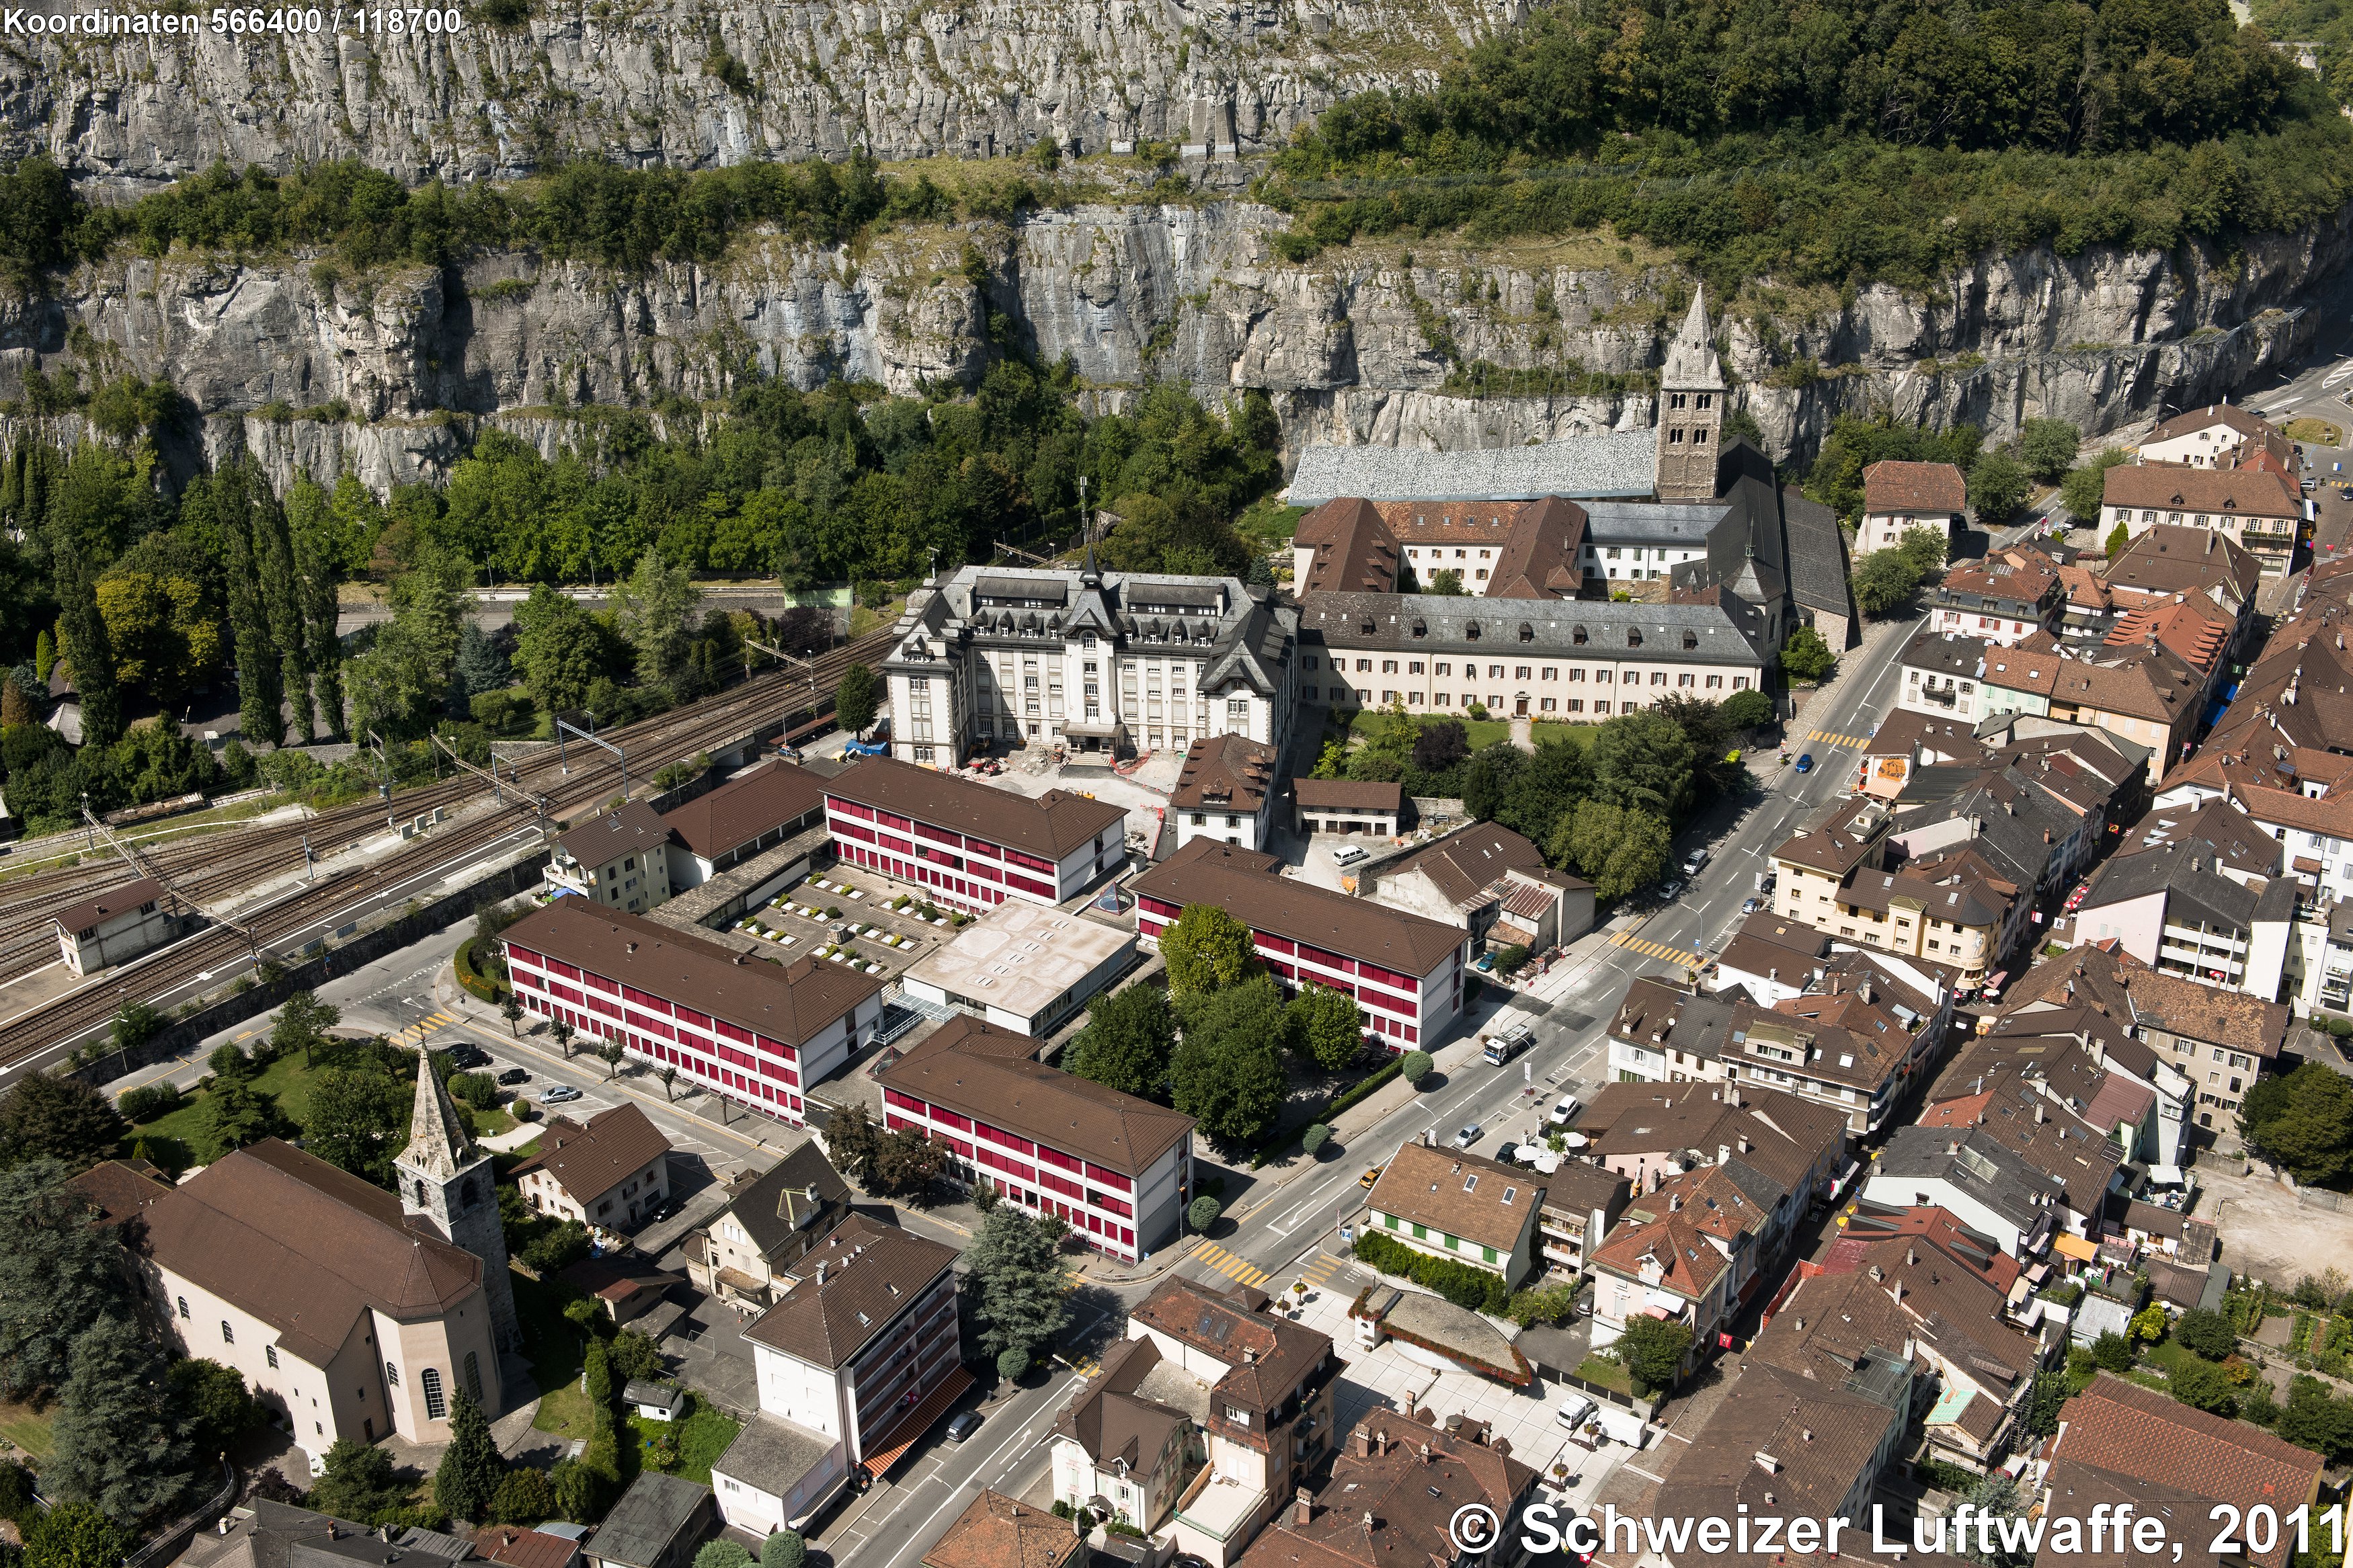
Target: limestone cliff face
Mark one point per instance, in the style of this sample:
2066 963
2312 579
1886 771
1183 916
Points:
651 82
1356 346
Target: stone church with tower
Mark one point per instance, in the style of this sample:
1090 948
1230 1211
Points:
445 1181
1691 411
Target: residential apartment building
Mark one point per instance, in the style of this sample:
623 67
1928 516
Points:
1942 673
1118 1170
1490 882
1987 1187
1786 1150
620 859
1573 660
1581 1201
1132 1436
1690 1251
2168 563
1405 972
2213 437
2256 508
1088 660
747 1251
1899 497
2004 598
961 843
1369 807
755 1031
2176 910
861 1348
1226 790
609 1173
1431 1199
1828 877
1268 1421
1395 1491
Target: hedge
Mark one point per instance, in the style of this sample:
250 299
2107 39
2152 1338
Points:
1460 1283
1359 1090
488 987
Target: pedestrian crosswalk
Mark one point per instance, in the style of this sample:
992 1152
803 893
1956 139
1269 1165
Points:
1319 1273
1232 1267
1659 949
1832 738
417 1033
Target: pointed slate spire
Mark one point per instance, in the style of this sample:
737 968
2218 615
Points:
438 1147
1690 361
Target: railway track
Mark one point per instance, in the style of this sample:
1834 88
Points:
649 744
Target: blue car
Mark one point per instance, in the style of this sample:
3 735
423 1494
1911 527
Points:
1806 762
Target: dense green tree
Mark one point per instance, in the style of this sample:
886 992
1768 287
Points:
301 1025
2303 1120
906 1164
524 1497
73 1534
357 1120
2050 1396
1750 709
2203 1384
850 1142
46 1116
653 603
402 682
1488 777
1126 1043
116 1443
235 1114
1014 1280
1806 656
2205 1334
1643 761
1415 1066
1227 1073
358 1481
467 1480
784 1549
211 1405
559 651
481 666
1204 948
1997 486
1553 779
315 526
2119 540
1326 1026
1616 850
2080 492
1885 582
59 1275
88 649
2048 447
2313 1418
856 699
1652 1352
2111 1352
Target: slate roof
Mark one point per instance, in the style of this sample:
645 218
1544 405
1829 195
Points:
1207 872
1460 1193
1114 1423
741 810
305 1247
1466 862
2183 872
1994 1175
773 1206
1464 624
649 1516
981 1071
1607 463
1947 653
873 1273
792 1002
1229 772
773 1453
590 1161
1818 559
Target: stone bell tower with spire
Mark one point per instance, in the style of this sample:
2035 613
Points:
1691 411
445 1182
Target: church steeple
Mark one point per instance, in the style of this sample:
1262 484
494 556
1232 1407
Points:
1691 410
438 1144
447 1185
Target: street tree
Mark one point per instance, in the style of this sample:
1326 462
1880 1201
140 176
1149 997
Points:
560 1032
1997 487
1016 1274
1617 849
2047 447
1806 656
611 1053
302 1026
511 1010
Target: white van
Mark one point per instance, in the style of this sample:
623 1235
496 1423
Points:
1575 1408
1348 855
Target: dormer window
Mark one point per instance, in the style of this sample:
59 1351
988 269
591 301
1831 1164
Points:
1511 1193
1470 631
1527 632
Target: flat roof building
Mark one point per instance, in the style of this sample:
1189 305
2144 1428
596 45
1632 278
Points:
1023 967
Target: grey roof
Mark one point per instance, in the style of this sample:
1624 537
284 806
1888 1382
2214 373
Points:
1607 463
1683 522
2184 872
267 1539
1818 561
2000 1179
773 1453
648 1517
639 1391
1553 625
774 1208
1947 654
1691 358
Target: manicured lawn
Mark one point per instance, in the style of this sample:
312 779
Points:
2318 432
29 1431
1608 1373
553 1345
1366 723
287 1080
703 1434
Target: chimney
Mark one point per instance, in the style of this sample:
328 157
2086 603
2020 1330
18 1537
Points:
1911 1258
821 1275
1724 1154
1369 1524
1425 1453
1250 1355
1744 1143
633 947
1802 1325
1410 1397
1674 1203
1361 1439
1502 1446
1877 1274
1953 1147
2038 1113
1767 1463
1303 1506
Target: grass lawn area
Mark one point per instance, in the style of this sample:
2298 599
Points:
2316 432
1609 1374
28 1430
703 1434
285 1080
1366 723
553 1345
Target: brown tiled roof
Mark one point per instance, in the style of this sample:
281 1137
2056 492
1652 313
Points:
1391 1507
2230 415
1541 557
1868 1227
2177 487
2033 665
2087 591
1053 823
122 1189
589 1161
980 1071
1688 1263
1112 1421
1786 1134
792 1002
1348 795
2195 627
636 828
1937 738
1266 1357
516 1546
1579 1186
2208 1013
1355 552
2121 1427
2182 558
741 810
1207 872
1892 485
1230 773
873 1272
1465 863
2022 576
1479 1200
108 905
305 1247
1842 836
999 1531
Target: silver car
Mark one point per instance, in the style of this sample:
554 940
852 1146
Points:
1469 1135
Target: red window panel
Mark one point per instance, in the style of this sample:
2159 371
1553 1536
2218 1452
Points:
938 835
1056 1157
1035 862
895 846
653 1026
895 1124
982 846
947 1118
1389 977
1062 1185
557 966
1110 1179
779 1048
595 981
779 1071
892 820
1288 972
1161 907
1328 959
610 1009
1110 1204
1043 890
853 830
1008 1140
976 868
727 1031
646 1000
961 1146
850 807
940 856
688 1016
904 1101
740 1058
524 955
569 993
1275 943
1126 1237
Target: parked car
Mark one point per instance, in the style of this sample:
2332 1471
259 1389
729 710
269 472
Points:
469 1057
1694 860
1564 1113
1806 762
562 1093
1349 854
1369 1177
1469 1134
1749 906
514 1075
964 1426
1574 1410
1671 890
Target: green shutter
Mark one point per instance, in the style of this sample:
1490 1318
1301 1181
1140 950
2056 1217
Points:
1490 1252
1421 1234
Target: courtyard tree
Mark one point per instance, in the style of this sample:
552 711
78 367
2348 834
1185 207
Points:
1205 948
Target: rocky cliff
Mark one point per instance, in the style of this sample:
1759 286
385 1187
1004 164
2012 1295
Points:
669 82
1367 344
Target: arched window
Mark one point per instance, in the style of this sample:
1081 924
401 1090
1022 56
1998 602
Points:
436 1405
392 1373
473 1377
420 1192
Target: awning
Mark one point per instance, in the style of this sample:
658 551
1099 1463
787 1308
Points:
2074 1246
910 1429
